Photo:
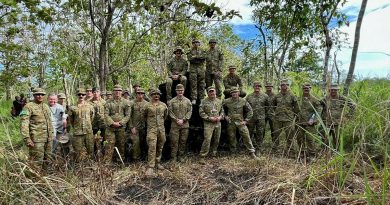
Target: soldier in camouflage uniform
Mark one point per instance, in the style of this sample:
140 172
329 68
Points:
286 110
210 110
336 110
117 114
136 125
177 70
270 114
214 66
238 113
232 80
155 113
180 111
98 123
133 95
108 96
259 103
197 58
310 108
89 93
37 130
80 119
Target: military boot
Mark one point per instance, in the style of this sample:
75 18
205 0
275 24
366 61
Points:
160 167
202 161
253 156
149 172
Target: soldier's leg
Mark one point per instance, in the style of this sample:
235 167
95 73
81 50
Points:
183 81
78 147
208 133
121 142
310 139
37 155
218 84
252 132
89 141
143 143
151 139
168 88
136 149
201 83
277 132
183 141
244 133
231 137
174 136
194 84
160 145
109 145
259 135
208 79
216 135
290 131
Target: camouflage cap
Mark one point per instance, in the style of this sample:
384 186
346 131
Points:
108 93
61 96
212 41
39 91
117 87
256 83
234 89
232 67
94 89
284 82
335 86
126 91
140 90
88 88
268 84
179 87
81 91
155 91
195 40
178 48
306 85
136 85
210 88
63 138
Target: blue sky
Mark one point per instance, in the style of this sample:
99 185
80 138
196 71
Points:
374 49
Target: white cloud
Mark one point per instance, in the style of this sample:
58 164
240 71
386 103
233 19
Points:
241 6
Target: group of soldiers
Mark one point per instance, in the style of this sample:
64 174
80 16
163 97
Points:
101 127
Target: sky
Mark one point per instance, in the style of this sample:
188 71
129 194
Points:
373 58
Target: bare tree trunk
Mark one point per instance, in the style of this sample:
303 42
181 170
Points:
337 68
355 48
328 43
267 70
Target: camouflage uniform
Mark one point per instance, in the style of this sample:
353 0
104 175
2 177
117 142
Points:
136 121
230 81
285 112
270 114
214 66
179 109
176 67
36 127
155 116
256 125
238 110
98 122
212 130
80 118
197 57
116 111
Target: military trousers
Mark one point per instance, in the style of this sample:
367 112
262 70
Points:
182 79
98 141
197 81
244 133
306 138
137 139
156 140
332 137
40 155
178 139
283 126
212 134
217 78
81 143
256 129
270 122
115 137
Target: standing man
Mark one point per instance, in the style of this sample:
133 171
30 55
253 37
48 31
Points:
58 119
259 103
89 93
37 130
270 109
214 67
310 108
197 58
136 126
177 70
180 111
232 80
334 113
286 111
126 95
80 118
98 123
210 110
238 113
155 113
117 114
108 96
137 86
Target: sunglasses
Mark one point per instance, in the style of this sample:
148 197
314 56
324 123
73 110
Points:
155 94
210 91
140 93
40 94
81 94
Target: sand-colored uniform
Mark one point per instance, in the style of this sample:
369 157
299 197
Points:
36 126
256 125
212 130
230 81
197 58
155 116
176 67
214 69
137 122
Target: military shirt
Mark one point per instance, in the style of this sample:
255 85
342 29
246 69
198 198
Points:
117 111
180 109
196 56
136 119
333 109
271 108
285 107
232 81
177 66
36 124
309 107
155 115
98 121
80 118
214 61
210 108
259 103
237 109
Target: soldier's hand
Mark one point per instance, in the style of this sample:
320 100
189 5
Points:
134 130
180 122
30 144
244 122
227 119
175 77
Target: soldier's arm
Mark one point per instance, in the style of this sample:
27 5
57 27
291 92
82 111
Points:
185 68
170 111
94 113
221 62
25 124
239 82
130 123
202 113
70 119
248 111
165 111
295 105
170 68
225 83
127 113
266 106
107 116
188 111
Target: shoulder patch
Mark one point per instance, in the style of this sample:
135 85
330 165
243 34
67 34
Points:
24 112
